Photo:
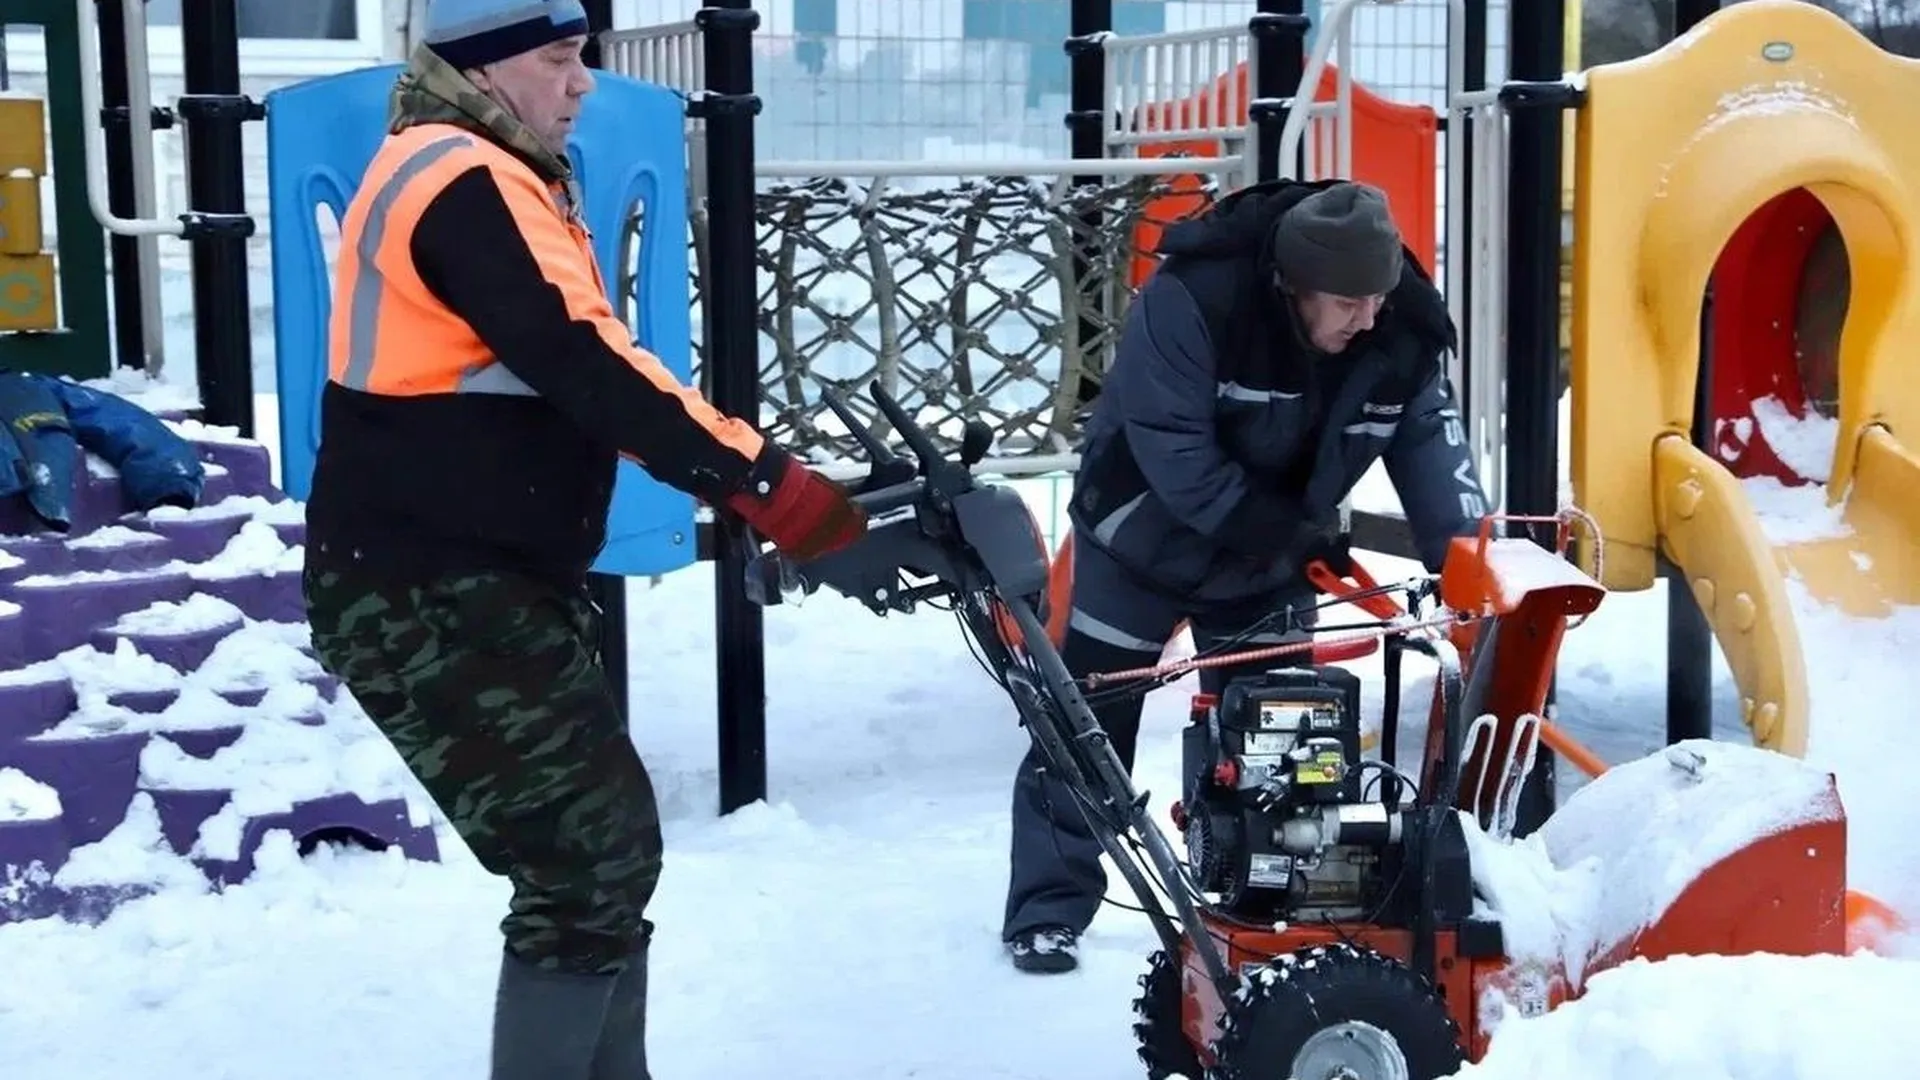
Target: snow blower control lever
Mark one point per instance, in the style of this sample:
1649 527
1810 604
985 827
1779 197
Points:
983 551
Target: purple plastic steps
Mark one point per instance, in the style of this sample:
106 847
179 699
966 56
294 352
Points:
205 742
244 696
144 702
249 467
119 549
274 597
98 585
13 636
28 556
183 811
181 650
44 841
95 776
385 824
29 708
63 612
197 539
328 686
219 486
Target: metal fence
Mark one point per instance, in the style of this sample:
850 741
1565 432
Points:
979 282
904 79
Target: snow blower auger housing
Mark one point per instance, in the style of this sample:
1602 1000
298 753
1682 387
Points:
1329 922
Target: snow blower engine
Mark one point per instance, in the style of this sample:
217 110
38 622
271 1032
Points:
1274 807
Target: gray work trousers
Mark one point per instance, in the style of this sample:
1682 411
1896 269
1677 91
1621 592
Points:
1116 623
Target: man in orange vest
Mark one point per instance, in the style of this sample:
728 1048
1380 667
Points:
480 393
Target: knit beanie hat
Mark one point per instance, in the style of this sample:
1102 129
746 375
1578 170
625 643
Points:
1339 240
474 33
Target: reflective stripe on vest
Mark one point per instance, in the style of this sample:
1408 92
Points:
386 306
369 284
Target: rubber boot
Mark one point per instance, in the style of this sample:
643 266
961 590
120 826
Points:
622 1054
546 1024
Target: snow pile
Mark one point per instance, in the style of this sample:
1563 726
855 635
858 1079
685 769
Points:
24 799
1622 849
1804 444
1722 1018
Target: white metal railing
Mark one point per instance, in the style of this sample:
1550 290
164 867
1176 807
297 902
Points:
669 55
1328 117
1148 79
145 228
1484 264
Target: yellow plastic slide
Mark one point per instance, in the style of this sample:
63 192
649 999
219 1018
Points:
1674 151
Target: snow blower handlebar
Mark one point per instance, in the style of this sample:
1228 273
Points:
983 550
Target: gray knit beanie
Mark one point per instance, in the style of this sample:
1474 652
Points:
1339 240
475 33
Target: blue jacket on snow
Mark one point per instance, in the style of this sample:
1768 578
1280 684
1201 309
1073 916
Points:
45 422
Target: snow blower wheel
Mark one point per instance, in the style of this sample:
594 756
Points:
1156 1022
1336 1012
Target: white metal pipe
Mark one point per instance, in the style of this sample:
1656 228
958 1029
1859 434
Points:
145 199
1296 125
95 166
1171 166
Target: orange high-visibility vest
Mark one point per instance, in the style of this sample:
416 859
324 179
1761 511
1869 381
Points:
390 335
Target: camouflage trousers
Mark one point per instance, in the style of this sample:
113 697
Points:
490 687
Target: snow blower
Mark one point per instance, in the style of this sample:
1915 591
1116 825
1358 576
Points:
1328 921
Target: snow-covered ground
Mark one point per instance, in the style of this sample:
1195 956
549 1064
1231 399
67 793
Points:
848 928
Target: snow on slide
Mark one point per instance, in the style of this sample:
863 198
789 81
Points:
1860 674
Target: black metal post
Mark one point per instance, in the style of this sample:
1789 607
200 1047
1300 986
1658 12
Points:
1086 134
599 20
1535 50
128 328
1689 636
1279 29
731 319
1473 44
218 227
609 591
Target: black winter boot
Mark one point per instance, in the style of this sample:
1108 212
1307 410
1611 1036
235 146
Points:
547 1024
622 1054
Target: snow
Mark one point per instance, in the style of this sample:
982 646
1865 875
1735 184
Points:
1722 1018
848 927
266 511
114 536
1804 444
198 612
1619 851
24 799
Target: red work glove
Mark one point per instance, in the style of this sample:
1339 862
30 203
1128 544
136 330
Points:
804 514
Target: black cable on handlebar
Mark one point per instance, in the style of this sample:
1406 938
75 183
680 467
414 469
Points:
912 434
889 498
879 452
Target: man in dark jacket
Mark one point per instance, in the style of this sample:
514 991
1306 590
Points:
1287 341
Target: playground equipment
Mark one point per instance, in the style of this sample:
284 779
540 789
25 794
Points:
150 676
629 149
1735 158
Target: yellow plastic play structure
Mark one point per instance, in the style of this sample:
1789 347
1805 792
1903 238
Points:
1674 151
